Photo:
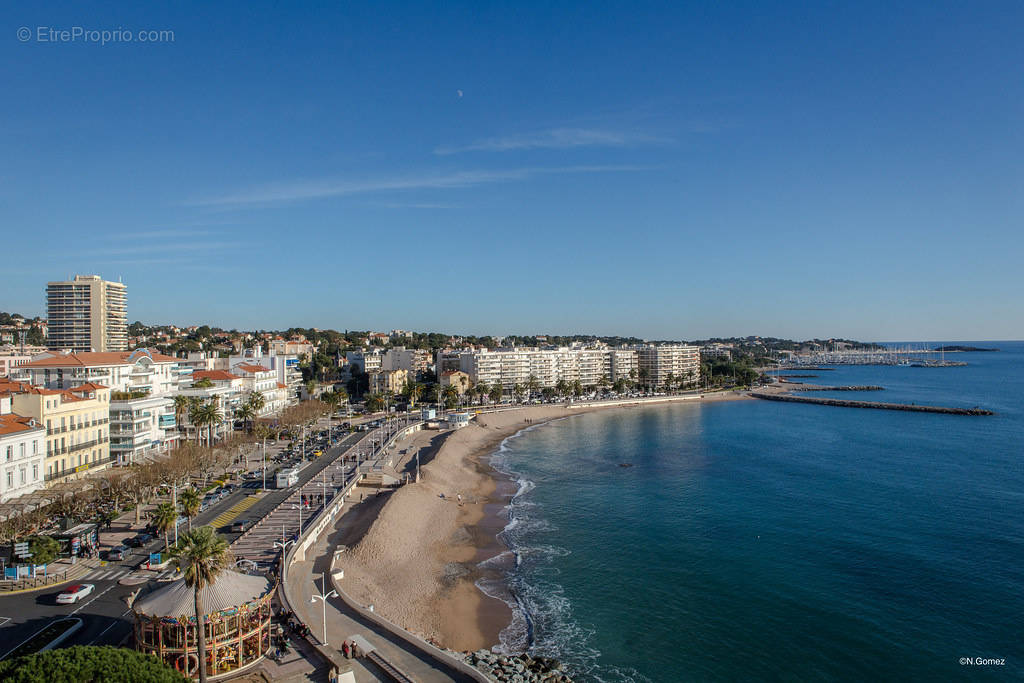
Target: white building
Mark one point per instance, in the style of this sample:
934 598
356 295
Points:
22 453
665 365
259 378
142 386
367 361
413 361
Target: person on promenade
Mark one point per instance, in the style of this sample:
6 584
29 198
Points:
345 650
459 496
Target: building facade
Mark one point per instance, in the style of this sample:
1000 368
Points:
666 365
388 381
87 313
22 452
76 423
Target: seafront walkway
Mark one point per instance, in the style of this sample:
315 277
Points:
310 558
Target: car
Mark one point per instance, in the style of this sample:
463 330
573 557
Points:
239 525
117 554
139 540
74 593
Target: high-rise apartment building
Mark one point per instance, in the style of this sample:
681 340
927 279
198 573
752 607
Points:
87 314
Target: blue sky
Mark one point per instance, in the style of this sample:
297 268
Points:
667 170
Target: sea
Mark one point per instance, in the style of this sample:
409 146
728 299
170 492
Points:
756 540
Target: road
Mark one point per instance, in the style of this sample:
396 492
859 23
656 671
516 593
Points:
105 613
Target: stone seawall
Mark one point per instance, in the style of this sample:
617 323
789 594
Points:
842 403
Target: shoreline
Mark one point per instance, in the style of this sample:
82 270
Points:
425 557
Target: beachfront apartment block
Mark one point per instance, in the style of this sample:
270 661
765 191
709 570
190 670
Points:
588 366
76 422
666 365
22 452
87 313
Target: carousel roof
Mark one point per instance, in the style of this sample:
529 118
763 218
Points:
176 599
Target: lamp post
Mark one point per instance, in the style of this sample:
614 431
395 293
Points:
264 463
322 597
283 545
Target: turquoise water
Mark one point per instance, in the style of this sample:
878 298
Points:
764 541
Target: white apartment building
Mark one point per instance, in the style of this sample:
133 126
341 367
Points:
12 361
226 390
258 378
22 453
142 385
87 313
664 365
367 361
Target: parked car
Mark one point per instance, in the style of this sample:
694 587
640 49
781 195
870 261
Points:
117 554
239 525
74 593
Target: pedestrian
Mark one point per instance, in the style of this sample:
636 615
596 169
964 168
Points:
345 650
355 649
459 496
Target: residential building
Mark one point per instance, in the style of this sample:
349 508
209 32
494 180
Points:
224 389
457 379
87 313
12 361
388 381
22 452
258 378
142 383
76 421
367 361
664 365
715 351
290 347
413 361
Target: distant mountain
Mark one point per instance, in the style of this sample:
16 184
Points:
957 347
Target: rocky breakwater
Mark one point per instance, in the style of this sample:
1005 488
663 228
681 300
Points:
517 668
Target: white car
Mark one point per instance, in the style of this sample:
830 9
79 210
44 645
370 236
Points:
75 593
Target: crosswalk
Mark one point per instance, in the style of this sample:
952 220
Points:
232 512
107 573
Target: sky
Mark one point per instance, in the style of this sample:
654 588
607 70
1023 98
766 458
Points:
665 170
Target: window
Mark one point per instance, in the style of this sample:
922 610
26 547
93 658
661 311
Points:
22 474
10 479
10 453
21 450
35 472
35 447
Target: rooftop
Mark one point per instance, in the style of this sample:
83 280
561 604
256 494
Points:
176 599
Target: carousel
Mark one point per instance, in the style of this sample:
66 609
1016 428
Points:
237 622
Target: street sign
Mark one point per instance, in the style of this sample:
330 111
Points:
21 549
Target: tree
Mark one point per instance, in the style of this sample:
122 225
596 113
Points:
203 383
562 387
450 396
181 406
246 414
163 520
375 402
44 549
532 384
209 415
517 391
190 504
481 390
496 392
201 555
257 401
88 663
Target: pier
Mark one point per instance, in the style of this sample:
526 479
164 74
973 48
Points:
818 387
842 403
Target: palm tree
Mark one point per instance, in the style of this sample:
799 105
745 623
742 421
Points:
181 406
450 396
210 415
375 402
190 504
532 384
561 387
246 413
201 555
481 390
257 401
163 520
517 391
496 392
194 406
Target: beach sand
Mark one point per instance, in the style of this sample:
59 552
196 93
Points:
417 563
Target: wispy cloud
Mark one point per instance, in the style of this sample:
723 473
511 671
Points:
555 138
176 247
319 189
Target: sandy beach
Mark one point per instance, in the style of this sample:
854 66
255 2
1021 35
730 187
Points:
417 563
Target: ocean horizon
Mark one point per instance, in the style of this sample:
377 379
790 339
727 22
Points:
760 540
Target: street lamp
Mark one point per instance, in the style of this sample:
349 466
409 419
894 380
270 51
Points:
283 545
322 597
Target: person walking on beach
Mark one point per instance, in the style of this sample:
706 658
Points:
459 496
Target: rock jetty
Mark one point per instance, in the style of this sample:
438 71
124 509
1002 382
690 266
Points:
842 403
521 668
